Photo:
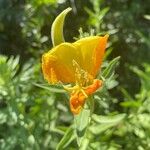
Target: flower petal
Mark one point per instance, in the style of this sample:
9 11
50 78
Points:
93 87
60 59
92 49
99 54
78 98
77 101
57 64
87 46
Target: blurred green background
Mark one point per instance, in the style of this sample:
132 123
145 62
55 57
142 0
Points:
35 116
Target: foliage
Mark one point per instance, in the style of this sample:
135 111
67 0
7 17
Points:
32 116
138 109
26 120
36 115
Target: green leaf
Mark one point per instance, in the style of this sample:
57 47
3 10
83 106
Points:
85 143
111 67
143 37
51 88
105 122
57 28
3 118
107 53
108 119
140 73
147 17
67 139
126 94
81 122
13 62
97 129
102 13
132 104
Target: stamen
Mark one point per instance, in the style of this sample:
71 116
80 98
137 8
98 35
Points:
71 89
83 92
82 77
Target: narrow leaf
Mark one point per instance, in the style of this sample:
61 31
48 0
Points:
85 143
108 119
131 104
51 88
105 122
67 139
140 73
97 129
57 28
147 17
111 67
126 94
81 123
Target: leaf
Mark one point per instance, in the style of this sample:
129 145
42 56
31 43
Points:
85 143
57 27
102 13
81 122
97 129
106 122
89 12
107 53
140 73
67 139
126 94
132 104
147 17
3 118
143 37
111 67
108 119
13 62
51 88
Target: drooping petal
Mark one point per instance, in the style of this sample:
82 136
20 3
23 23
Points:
93 87
77 101
78 98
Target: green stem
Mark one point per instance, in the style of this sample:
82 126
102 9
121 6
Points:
92 103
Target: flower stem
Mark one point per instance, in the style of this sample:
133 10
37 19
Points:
91 100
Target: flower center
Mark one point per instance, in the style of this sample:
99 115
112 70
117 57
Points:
85 86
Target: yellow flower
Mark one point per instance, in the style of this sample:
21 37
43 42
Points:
77 63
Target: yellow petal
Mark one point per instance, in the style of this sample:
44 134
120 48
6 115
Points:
60 60
57 64
87 47
92 50
99 54
77 101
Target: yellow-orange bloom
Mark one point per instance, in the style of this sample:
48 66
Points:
78 63
77 99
